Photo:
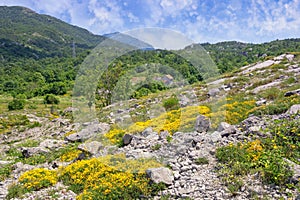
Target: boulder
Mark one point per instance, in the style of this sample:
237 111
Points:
91 130
163 135
215 137
296 170
202 124
160 175
91 147
290 93
223 126
52 144
147 131
260 102
31 151
213 92
127 139
139 153
294 109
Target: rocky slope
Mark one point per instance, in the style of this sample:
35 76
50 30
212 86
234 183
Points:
190 165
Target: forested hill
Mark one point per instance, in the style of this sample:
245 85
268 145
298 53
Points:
36 53
232 55
25 33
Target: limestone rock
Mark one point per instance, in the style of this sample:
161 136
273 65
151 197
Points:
31 151
91 130
52 144
127 139
216 137
293 92
202 124
213 92
294 109
296 169
160 175
91 147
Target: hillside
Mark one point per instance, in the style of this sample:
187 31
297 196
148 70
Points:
232 55
239 142
154 124
24 33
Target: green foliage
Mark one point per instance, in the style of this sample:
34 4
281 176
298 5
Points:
156 147
45 35
15 191
146 89
265 156
233 55
16 104
171 103
5 171
201 161
280 104
51 99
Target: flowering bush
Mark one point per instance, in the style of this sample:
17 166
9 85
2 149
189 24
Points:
182 119
38 178
265 156
70 155
95 180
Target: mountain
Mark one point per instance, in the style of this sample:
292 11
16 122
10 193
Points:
25 33
127 39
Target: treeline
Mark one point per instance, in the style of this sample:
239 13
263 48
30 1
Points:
33 77
154 68
232 55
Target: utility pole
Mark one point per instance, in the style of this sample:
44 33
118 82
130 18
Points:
74 51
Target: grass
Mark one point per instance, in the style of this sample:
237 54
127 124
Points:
201 161
265 157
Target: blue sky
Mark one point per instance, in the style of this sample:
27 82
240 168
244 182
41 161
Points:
200 20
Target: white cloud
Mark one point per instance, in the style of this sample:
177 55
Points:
107 16
205 20
161 38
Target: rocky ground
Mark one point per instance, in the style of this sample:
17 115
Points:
184 176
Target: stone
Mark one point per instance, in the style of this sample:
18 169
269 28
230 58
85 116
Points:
147 131
70 110
91 147
260 102
294 109
290 57
160 175
52 144
90 130
20 167
139 153
296 170
293 92
216 137
5 162
202 124
213 92
163 135
223 126
127 139
31 151
228 131
266 86
184 101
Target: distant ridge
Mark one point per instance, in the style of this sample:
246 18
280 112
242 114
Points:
38 35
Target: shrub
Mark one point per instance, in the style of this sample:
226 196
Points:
265 156
171 103
92 179
38 178
201 161
51 99
16 104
